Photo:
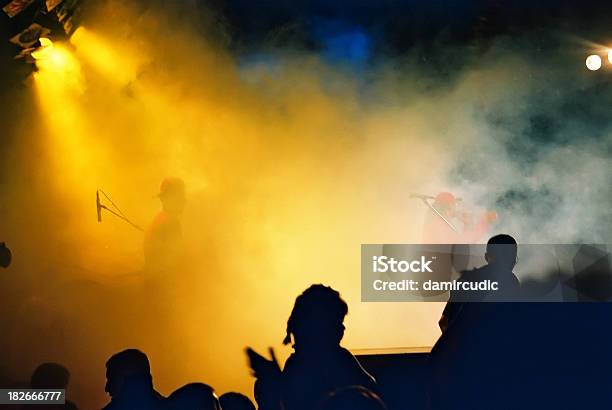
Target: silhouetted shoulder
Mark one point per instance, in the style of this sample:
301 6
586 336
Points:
341 363
363 378
475 274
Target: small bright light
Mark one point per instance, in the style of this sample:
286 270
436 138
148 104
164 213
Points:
57 60
45 49
45 42
593 62
610 56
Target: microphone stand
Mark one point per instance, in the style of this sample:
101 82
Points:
121 217
433 208
100 206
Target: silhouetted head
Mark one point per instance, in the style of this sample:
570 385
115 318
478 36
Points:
194 396
501 251
172 195
50 376
236 401
128 364
353 398
317 318
5 255
445 202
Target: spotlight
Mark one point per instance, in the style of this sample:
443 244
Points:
593 62
610 56
45 49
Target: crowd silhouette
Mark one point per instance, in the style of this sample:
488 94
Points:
490 356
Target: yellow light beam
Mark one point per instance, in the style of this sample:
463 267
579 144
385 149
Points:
110 61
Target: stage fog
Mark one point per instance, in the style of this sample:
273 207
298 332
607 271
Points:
290 162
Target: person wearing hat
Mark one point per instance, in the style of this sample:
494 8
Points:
163 238
166 277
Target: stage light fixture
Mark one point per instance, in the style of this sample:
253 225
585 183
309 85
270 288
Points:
45 49
593 62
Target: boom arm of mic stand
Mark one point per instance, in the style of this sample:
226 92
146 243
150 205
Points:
430 206
122 217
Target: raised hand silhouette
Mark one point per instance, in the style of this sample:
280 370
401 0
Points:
263 367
